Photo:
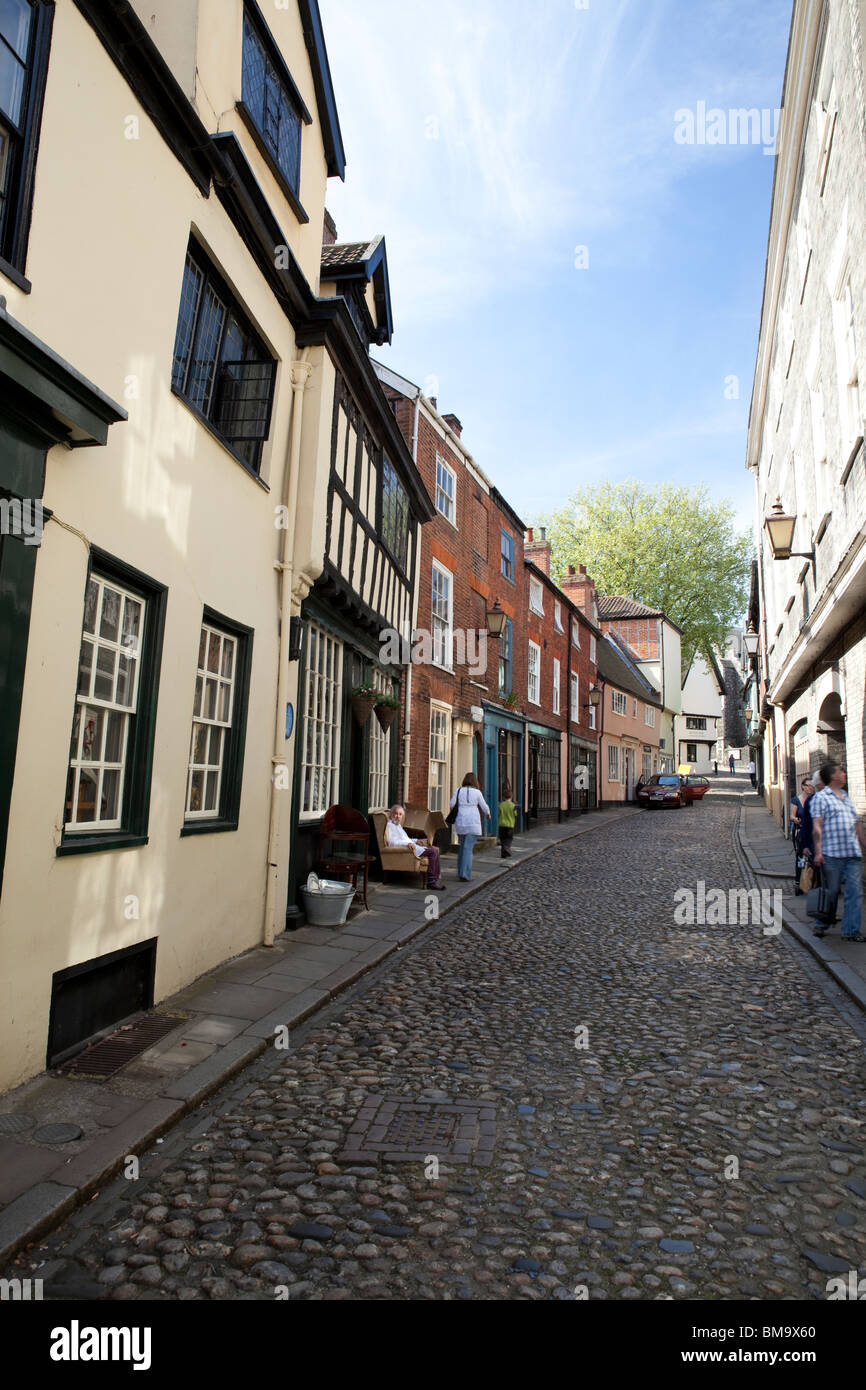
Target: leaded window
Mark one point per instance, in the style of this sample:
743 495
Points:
323 699
272 106
25 27
395 514
221 367
106 704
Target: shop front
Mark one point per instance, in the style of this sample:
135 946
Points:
544 775
582 776
503 762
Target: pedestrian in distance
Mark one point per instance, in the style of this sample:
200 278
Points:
507 821
839 841
715 769
753 772
397 837
801 831
732 765
470 804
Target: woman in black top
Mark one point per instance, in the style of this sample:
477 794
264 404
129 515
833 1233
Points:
804 847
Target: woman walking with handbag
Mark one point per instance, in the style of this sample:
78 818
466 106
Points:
801 833
468 803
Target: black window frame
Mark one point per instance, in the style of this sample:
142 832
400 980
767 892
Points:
691 757
139 767
233 772
506 558
16 209
289 180
250 459
399 556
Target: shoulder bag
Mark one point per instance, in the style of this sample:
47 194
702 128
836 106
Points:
452 814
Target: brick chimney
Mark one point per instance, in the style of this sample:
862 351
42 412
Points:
454 424
538 551
580 589
329 231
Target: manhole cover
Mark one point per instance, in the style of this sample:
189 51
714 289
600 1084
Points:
107 1057
403 1131
15 1124
57 1134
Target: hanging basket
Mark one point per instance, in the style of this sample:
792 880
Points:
386 715
362 707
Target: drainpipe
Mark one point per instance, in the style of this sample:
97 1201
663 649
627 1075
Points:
407 706
301 373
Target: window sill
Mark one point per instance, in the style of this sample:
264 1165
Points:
452 524
208 827
8 269
285 187
203 420
99 843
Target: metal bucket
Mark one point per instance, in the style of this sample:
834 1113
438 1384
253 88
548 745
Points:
328 904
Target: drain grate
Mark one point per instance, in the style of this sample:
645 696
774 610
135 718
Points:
103 1059
401 1131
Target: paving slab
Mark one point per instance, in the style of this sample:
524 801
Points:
238 1001
35 1211
106 1153
204 1078
22 1166
215 1029
293 1013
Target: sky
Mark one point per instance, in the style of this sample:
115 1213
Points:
574 273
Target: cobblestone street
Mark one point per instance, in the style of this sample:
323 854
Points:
701 1139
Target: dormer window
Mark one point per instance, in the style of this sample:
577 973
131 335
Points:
272 105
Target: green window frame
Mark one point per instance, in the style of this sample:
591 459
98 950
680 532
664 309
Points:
219 726
132 756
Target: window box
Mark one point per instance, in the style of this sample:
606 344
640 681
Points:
111 747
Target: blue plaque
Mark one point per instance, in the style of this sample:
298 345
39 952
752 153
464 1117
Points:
290 720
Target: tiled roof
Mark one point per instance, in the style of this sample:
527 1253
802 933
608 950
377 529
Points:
340 256
616 668
615 607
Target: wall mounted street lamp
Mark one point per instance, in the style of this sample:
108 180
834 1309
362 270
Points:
780 532
748 713
594 698
753 641
296 638
496 620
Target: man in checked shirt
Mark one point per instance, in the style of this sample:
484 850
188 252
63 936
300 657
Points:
839 842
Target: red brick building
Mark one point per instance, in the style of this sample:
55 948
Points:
463 689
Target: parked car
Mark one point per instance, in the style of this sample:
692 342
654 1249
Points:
694 788
664 789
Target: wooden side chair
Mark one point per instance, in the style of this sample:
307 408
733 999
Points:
344 849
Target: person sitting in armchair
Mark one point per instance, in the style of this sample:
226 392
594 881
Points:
396 837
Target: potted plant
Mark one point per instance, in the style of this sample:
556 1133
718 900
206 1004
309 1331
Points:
510 700
385 710
363 699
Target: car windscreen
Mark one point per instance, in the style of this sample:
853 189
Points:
669 781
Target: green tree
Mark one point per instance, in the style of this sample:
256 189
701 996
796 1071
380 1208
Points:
670 547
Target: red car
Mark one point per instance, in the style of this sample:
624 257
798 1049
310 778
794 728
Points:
695 788
665 789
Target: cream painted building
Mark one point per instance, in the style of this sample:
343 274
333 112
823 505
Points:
805 445
172 372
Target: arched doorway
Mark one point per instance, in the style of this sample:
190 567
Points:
831 727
